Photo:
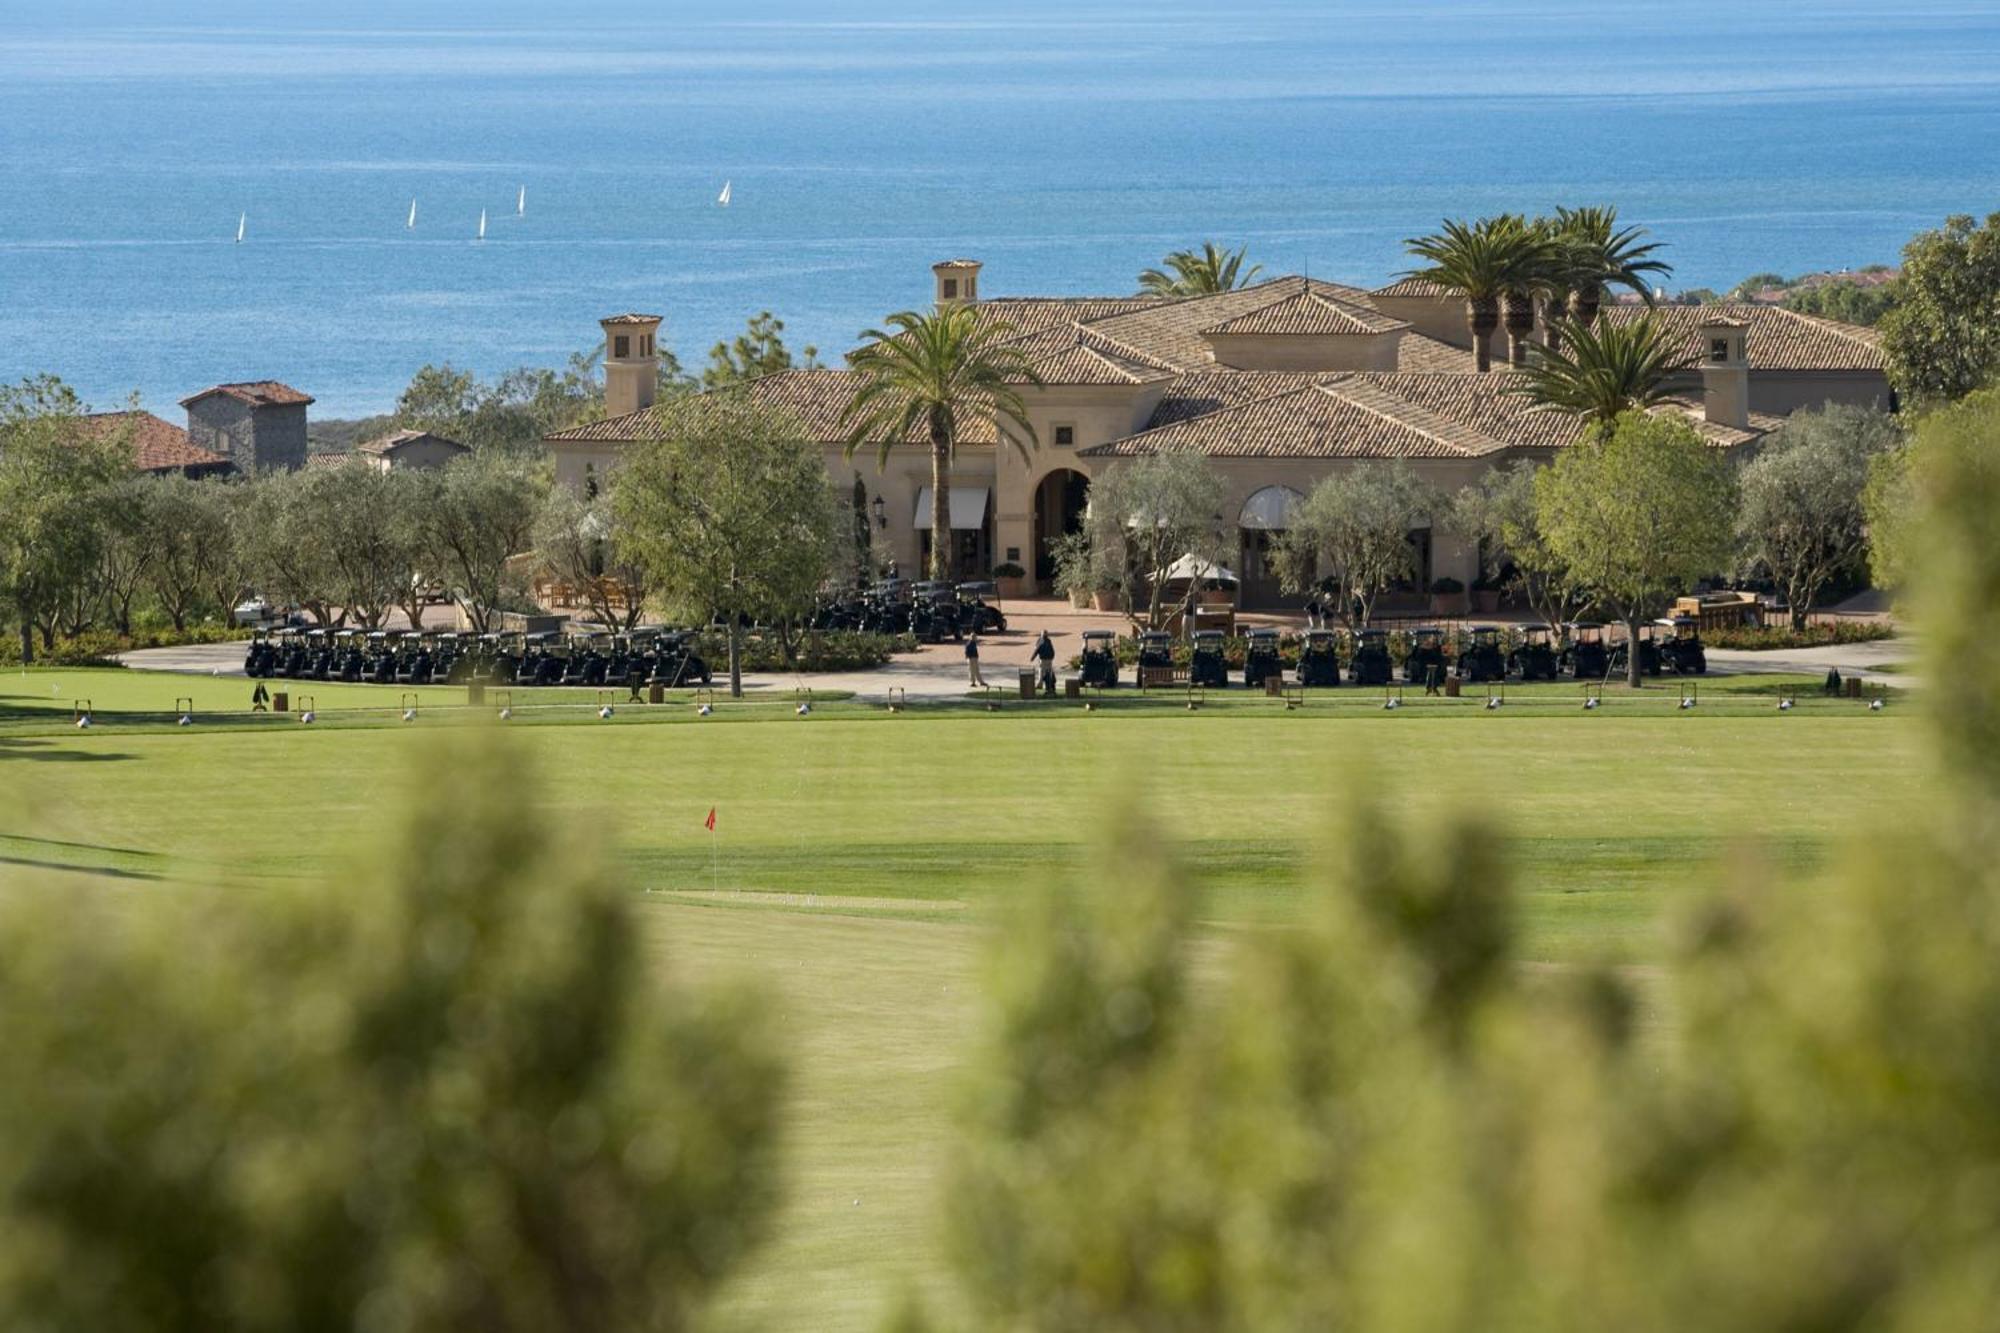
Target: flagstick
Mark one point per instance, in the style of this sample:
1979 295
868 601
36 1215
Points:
714 875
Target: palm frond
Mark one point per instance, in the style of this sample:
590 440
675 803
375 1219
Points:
1601 373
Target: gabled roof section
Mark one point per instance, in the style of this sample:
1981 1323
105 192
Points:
1198 394
1778 339
1308 313
157 445
1171 332
1075 356
402 438
257 393
1413 287
1327 420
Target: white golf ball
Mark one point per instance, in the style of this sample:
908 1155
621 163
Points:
605 712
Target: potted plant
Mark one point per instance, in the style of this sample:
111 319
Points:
1010 580
1448 597
1074 575
1486 594
1106 596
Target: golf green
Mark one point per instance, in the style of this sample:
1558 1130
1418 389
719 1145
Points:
856 852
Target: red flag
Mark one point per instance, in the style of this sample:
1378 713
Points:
710 821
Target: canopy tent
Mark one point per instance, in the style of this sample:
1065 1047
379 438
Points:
1269 510
1191 567
968 508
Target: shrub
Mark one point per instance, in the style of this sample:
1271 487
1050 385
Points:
1447 586
100 647
838 650
1007 569
1819 635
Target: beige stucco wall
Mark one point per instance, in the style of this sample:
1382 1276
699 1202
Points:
1441 317
1301 353
424 454
578 462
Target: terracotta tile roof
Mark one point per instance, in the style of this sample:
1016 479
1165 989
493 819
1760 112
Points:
157 445
1413 287
815 397
1029 316
1779 339
1208 391
1485 405
1420 351
257 393
1316 421
328 460
1309 314
1076 356
1170 332
632 318
959 263
397 439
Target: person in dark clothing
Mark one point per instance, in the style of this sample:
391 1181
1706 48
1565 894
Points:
972 661
1045 657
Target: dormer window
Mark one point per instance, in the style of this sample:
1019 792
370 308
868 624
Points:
1718 349
1065 436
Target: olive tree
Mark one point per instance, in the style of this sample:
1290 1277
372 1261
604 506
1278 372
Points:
1500 511
1353 528
189 535
1146 513
1639 513
573 543
729 509
1801 516
449 1091
54 474
1942 341
286 553
477 513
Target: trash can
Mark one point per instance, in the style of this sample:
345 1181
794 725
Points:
1274 686
656 693
1072 687
1028 684
1451 687
281 702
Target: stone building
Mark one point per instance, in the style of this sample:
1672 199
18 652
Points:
259 426
158 446
410 449
1280 384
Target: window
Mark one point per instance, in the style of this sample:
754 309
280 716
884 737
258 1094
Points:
590 481
645 344
951 289
1066 436
1718 349
621 346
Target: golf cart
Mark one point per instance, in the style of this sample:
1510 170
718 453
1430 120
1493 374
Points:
1156 652
1586 658
1319 659
1372 664
319 655
1207 667
976 613
1482 660
1681 652
1425 665
1100 658
260 656
1649 654
1535 659
1260 659
349 657
541 659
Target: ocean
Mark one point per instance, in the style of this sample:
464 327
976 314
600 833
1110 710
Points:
1067 143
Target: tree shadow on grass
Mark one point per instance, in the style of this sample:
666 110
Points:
39 751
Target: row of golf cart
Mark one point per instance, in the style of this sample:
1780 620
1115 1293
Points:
1484 653
664 657
932 611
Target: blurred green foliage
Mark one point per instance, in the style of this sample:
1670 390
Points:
440 1093
1381 1121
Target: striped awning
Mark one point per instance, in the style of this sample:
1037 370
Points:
968 508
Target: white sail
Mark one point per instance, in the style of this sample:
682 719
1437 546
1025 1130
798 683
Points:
521 204
412 223
724 199
242 222
482 224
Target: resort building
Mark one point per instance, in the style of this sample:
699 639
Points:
1280 383
258 426
409 449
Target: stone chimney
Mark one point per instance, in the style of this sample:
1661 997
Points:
631 363
957 281
1725 372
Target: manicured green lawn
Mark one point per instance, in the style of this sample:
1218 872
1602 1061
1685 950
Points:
858 853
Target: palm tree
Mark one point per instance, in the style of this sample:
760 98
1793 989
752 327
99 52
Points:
1202 272
1606 371
1601 254
1482 261
933 374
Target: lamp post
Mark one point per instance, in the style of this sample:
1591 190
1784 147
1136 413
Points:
881 512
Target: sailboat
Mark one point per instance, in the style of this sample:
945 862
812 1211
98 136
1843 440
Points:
242 223
412 223
521 204
482 224
724 199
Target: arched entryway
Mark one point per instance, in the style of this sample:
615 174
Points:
1060 500
1264 518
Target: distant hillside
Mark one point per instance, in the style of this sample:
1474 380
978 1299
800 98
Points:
337 436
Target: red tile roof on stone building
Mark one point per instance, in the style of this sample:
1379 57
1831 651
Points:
257 393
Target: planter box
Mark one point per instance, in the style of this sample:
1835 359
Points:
1448 604
1008 588
1105 601
1487 600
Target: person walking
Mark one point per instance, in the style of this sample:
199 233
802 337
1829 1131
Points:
1045 656
972 661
